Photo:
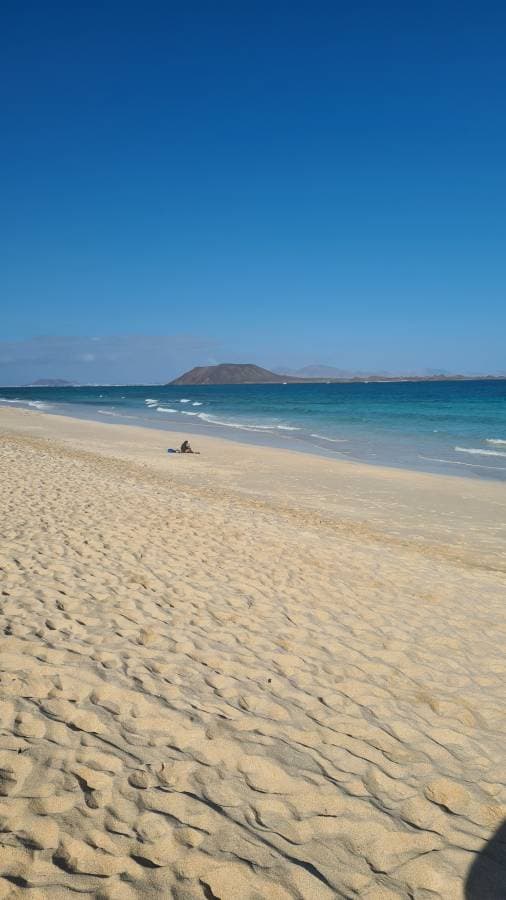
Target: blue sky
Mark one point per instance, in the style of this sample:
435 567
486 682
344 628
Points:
287 183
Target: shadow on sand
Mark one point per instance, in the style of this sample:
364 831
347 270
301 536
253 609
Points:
487 876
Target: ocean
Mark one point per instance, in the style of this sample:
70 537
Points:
456 428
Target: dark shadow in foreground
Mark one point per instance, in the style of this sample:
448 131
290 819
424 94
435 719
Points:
487 876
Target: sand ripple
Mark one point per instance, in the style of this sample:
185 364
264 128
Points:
202 699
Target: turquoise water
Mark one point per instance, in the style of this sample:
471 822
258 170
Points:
451 427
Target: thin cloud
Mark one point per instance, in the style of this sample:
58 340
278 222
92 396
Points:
110 359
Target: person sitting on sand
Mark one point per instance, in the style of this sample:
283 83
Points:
185 448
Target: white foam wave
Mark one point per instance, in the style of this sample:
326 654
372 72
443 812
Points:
321 437
477 452
35 404
185 413
455 462
214 421
196 403
287 428
185 400
243 427
495 441
109 412
165 409
150 402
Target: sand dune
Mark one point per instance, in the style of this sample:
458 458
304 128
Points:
251 674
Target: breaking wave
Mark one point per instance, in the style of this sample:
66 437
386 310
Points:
116 415
212 420
455 462
35 404
477 452
321 437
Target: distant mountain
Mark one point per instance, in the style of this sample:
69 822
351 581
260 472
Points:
247 373
317 371
51 382
231 373
431 372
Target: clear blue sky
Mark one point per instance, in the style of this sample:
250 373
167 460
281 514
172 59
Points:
284 182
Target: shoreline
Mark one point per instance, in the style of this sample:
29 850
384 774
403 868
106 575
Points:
270 441
415 506
368 432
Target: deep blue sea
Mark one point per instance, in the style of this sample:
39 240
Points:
450 427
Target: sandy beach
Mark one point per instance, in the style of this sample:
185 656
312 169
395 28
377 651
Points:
246 674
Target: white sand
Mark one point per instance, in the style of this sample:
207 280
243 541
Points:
248 674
